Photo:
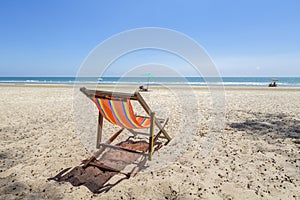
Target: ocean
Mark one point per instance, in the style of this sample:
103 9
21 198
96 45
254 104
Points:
194 81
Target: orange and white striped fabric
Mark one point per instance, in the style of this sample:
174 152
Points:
120 112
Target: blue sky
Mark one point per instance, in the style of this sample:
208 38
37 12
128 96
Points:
244 38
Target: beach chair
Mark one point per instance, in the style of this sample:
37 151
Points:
117 109
109 160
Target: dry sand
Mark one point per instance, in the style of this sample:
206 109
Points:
256 156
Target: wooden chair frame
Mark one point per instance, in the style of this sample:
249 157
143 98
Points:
91 94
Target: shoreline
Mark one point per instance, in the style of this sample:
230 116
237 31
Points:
158 87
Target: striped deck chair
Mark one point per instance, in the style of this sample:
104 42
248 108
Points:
117 109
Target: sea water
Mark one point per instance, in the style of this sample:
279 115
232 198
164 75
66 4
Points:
194 81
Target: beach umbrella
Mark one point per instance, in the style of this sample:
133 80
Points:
149 75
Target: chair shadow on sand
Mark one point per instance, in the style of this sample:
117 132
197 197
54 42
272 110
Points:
97 174
271 125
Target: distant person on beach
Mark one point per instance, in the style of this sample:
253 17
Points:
142 88
273 84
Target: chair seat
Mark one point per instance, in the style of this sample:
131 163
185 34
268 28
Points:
120 112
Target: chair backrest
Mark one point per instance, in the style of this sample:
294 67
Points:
119 111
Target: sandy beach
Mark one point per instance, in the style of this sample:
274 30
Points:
255 156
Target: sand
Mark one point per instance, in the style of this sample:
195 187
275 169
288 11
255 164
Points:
256 155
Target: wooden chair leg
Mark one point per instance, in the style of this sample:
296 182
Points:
160 131
151 138
163 130
99 131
